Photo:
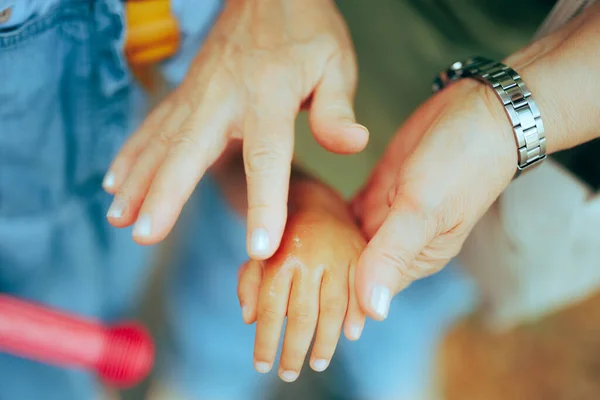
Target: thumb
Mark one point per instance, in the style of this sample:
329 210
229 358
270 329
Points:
331 114
390 261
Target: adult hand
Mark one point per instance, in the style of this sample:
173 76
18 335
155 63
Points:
439 174
261 63
456 154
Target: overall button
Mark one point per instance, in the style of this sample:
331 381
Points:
5 15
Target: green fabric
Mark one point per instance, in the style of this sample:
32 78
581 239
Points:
401 46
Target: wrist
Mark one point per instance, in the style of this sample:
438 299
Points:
493 129
308 194
560 70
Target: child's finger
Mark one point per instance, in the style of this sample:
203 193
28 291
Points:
355 316
333 305
272 305
303 311
248 289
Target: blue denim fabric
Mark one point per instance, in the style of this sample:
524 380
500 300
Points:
67 102
22 10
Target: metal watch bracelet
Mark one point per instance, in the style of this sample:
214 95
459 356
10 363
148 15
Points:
518 103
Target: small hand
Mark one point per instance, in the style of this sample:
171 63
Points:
263 61
311 280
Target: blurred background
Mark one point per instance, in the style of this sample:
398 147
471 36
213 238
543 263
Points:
401 46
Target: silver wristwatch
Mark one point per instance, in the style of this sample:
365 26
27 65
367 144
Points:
515 96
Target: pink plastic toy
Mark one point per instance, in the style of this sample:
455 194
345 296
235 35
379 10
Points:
122 355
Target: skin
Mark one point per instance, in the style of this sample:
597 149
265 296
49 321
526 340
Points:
456 154
261 64
309 280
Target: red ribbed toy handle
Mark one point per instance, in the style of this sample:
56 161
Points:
122 355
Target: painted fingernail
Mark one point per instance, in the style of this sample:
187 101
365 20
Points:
288 376
354 332
259 242
262 367
117 208
320 364
380 301
109 181
143 226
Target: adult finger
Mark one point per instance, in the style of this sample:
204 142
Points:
198 143
268 149
133 190
387 264
331 114
133 147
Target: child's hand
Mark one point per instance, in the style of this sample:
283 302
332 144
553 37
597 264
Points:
311 280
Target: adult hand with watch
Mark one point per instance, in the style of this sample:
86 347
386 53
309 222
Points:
459 150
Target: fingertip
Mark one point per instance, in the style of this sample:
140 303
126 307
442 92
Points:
342 137
248 314
118 213
288 376
145 232
259 244
359 135
262 367
319 364
263 243
355 321
353 330
109 183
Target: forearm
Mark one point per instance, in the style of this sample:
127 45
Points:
562 71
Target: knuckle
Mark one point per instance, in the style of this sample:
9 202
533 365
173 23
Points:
161 138
421 268
302 316
400 260
271 72
184 143
268 314
396 257
264 157
335 307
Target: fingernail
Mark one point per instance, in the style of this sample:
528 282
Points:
259 242
109 181
262 367
117 208
288 376
361 127
354 332
320 364
142 226
245 312
380 300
